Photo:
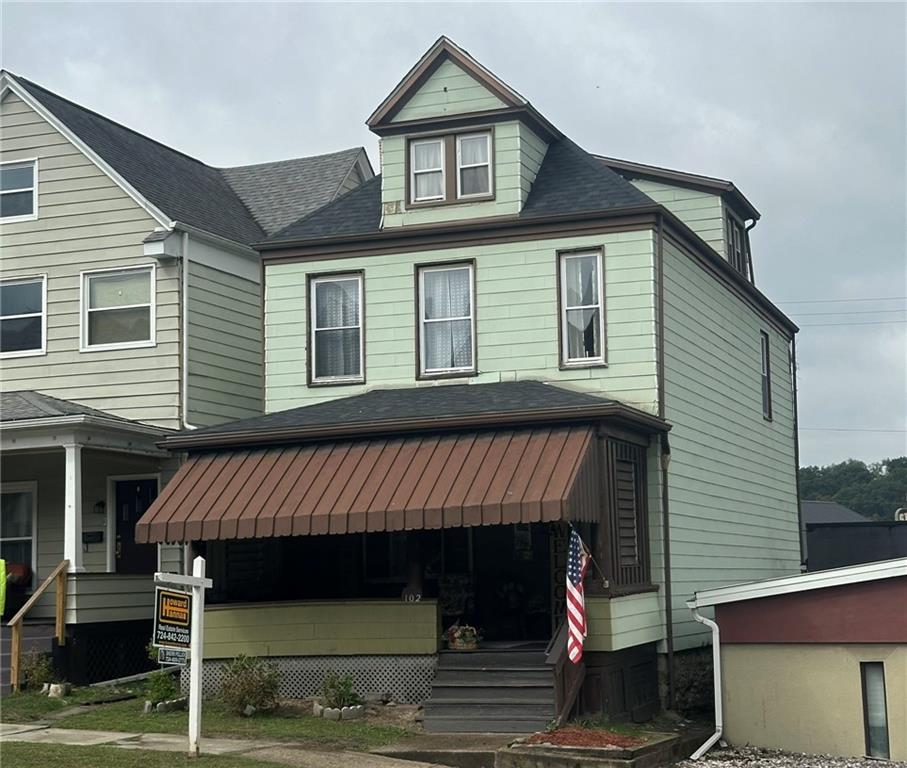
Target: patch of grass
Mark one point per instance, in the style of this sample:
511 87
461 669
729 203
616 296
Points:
26 706
58 756
217 720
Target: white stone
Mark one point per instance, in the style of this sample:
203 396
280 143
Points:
317 709
331 713
148 707
249 710
59 690
352 713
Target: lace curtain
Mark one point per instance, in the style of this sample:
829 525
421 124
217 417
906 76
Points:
337 329
447 316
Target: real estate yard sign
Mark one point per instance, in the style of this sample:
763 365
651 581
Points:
172 618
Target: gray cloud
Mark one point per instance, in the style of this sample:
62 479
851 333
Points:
802 105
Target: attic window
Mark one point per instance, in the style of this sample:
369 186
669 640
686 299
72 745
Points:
18 190
455 168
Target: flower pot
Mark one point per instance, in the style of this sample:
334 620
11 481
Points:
462 644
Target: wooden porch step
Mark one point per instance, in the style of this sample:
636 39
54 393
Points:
493 677
467 694
469 724
500 709
488 659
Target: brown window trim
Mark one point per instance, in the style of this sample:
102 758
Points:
765 374
562 363
417 270
451 172
310 328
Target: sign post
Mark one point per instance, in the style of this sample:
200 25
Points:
179 617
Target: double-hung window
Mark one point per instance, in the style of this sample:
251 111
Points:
427 164
446 320
118 308
18 505
766 377
336 329
19 190
473 165
737 244
582 308
23 317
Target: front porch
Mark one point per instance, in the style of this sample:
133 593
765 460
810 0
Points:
75 481
356 554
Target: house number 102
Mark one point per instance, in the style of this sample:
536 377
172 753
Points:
412 597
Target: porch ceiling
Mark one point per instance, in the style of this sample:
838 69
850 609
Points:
406 483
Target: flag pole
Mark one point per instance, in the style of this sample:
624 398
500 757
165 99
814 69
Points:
591 558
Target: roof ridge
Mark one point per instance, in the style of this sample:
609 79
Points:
75 104
288 159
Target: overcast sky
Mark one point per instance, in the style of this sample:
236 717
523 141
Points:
802 106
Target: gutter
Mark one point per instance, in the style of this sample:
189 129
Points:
716 674
83 420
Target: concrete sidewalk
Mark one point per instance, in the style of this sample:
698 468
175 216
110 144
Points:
279 752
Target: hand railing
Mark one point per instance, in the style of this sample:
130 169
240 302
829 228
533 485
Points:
58 575
568 677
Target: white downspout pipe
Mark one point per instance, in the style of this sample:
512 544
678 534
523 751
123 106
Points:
716 666
185 331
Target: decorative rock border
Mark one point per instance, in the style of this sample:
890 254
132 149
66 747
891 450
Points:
355 712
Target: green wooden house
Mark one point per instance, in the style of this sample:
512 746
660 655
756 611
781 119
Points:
499 336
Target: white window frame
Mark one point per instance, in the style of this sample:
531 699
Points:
84 300
487 136
580 362
413 143
43 348
313 293
33 162
428 372
29 486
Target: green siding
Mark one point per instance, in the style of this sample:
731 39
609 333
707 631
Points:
517 326
703 212
449 91
622 622
322 628
225 338
732 476
532 152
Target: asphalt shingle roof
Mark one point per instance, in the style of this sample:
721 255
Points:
28 404
828 512
570 180
385 405
243 204
280 193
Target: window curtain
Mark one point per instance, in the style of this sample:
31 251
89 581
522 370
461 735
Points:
583 325
337 335
448 341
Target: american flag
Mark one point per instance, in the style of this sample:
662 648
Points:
577 562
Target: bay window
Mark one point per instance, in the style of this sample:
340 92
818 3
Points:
582 308
446 320
23 317
118 308
336 339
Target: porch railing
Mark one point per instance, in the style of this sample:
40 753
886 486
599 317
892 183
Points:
568 677
58 575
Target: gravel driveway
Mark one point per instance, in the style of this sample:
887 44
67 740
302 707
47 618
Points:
750 757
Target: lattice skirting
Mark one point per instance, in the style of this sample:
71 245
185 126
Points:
406 678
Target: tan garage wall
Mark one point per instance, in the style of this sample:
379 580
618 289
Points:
808 698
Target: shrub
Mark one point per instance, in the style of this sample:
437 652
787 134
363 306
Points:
338 691
160 685
249 681
37 669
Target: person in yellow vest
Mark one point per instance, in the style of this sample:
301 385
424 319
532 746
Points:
2 586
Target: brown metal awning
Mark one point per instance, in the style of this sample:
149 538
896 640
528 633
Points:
408 483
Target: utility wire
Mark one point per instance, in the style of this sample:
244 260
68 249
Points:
875 322
835 301
844 312
848 429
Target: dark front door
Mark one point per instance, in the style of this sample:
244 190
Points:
133 497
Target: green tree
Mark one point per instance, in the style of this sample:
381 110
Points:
874 490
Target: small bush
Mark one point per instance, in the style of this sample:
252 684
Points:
37 669
338 691
249 681
160 685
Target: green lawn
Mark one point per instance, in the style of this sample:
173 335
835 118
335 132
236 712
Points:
56 756
26 706
217 721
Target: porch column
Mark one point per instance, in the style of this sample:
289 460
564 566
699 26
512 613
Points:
72 512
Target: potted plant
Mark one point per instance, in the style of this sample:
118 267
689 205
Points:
462 637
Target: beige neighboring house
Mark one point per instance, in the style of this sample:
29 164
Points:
130 307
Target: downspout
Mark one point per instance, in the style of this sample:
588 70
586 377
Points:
185 331
716 674
801 533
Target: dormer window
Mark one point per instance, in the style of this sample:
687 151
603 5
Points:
473 165
427 160
738 246
455 168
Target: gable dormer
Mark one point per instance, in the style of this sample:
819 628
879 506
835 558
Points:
456 142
